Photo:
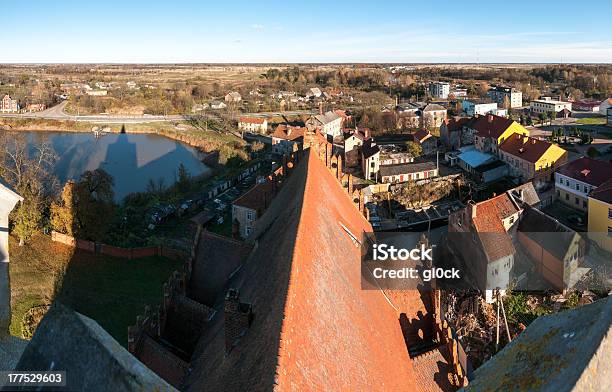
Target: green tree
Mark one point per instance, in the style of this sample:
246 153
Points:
592 152
414 148
542 118
551 116
95 207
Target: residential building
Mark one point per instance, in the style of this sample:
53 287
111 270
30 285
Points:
604 106
432 115
353 140
439 90
8 200
609 117
233 97
473 107
314 92
427 141
493 235
575 180
483 167
459 93
8 105
547 105
287 139
600 215
253 124
478 234
586 105
554 249
532 159
397 173
249 207
395 158
502 95
491 131
454 132
370 160
330 123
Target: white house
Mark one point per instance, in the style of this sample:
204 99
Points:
547 104
330 123
499 95
8 199
471 108
253 124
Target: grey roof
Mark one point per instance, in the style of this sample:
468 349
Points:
327 117
92 359
525 193
545 230
406 168
433 106
566 351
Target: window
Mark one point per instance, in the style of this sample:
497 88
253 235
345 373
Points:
248 231
584 204
609 231
577 201
567 196
577 186
511 219
609 213
558 193
250 215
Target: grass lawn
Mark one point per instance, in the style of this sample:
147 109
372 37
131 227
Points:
592 121
109 290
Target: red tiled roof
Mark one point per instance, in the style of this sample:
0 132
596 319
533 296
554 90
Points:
252 120
314 328
488 220
456 123
525 147
603 192
288 132
257 198
591 171
491 125
421 135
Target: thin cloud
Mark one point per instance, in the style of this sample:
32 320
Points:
257 26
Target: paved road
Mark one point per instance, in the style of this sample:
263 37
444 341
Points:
57 113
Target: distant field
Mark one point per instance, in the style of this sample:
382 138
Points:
109 290
592 121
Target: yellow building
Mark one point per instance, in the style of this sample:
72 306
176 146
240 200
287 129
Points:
529 158
600 215
491 131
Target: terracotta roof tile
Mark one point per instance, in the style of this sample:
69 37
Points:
252 120
525 147
314 327
288 132
491 125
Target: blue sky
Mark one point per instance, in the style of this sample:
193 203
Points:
305 31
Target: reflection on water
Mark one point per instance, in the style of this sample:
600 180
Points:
132 159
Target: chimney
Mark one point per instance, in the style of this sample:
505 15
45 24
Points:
238 317
366 133
320 107
473 210
520 194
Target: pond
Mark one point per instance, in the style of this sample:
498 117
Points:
132 159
